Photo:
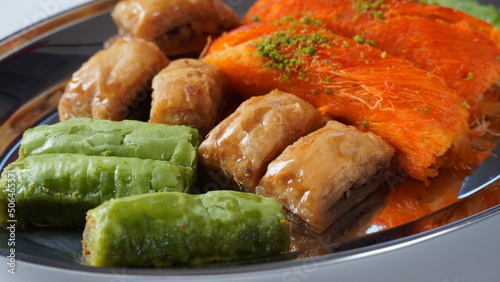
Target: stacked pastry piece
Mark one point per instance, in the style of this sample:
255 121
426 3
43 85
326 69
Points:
116 83
279 146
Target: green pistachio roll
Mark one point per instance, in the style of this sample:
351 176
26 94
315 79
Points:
58 189
162 229
128 138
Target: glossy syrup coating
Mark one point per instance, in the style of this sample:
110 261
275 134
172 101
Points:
325 173
188 92
242 145
178 27
112 80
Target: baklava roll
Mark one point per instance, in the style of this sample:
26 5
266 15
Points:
162 229
128 138
58 189
188 92
241 146
179 27
112 81
322 175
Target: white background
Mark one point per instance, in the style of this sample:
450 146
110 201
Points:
18 14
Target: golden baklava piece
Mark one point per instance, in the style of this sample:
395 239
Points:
179 27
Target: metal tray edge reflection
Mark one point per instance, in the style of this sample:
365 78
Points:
33 112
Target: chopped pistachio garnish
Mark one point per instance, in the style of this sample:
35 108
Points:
383 55
359 38
308 20
328 79
465 105
314 92
425 111
256 18
375 7
309 50
328 91
272 48
470 75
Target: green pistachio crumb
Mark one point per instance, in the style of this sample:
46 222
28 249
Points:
256 18
308 20
358 38
465 105
309 50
